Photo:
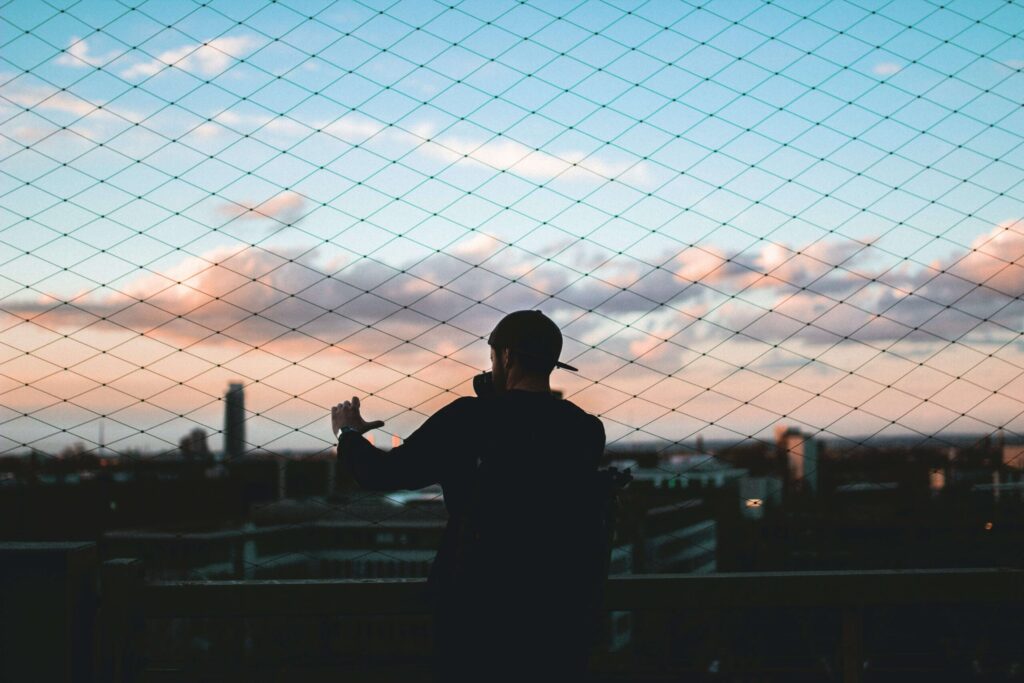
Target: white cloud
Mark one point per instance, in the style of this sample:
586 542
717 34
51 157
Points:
79 54
38 95
206 59
352 129
499 153
45 97
886 69
502 153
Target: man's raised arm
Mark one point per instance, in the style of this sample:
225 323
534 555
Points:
419 462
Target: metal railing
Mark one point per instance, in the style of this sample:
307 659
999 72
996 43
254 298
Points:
93 623
845 594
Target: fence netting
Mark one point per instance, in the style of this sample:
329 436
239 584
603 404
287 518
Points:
741 214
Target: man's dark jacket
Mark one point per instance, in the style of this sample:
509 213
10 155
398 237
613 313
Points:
514 580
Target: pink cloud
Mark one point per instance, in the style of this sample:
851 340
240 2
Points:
313 325
253 295
286 208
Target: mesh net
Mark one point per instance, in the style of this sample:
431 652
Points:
741 215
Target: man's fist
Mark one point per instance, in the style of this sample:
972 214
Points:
347 415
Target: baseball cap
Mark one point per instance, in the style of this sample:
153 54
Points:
532 333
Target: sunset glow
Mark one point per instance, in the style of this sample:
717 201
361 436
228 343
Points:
732 231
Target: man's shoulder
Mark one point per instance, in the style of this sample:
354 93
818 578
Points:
472 407
582 415
463 403
461 408
459 415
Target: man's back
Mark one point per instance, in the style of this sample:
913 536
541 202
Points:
520 459
516 574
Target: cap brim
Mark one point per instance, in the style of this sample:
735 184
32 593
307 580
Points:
565 366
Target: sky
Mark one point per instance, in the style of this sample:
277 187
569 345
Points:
740 213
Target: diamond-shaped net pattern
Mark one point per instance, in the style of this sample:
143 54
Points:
741 214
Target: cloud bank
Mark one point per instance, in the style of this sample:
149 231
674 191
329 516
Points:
818 296
701 340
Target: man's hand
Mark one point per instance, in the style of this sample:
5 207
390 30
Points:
347 415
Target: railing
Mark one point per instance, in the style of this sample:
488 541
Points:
125 600
848 594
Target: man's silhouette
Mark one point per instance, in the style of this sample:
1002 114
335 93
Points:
518 574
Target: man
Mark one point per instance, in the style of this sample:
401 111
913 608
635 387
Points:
518 573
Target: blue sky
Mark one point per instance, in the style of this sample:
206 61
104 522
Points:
360 191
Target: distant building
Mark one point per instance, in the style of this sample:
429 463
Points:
234 422
1013 456
193 445
801 456
684 470
294 539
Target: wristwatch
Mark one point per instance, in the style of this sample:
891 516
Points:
347 429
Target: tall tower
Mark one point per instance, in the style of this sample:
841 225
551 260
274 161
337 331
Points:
234 422
800 454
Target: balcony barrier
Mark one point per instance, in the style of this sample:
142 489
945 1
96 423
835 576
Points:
56 630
